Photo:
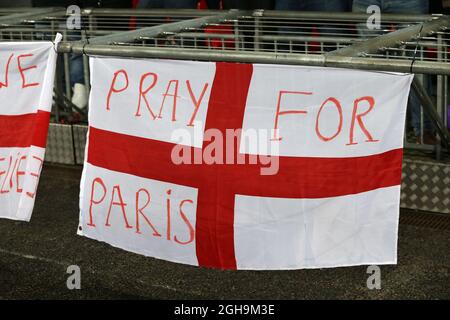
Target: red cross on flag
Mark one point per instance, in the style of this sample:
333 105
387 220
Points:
241 166
27 72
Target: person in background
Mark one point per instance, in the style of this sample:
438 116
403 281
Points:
167 4
249 4
314 5
402 7
393 6
76 73
76 66
321 29
211 4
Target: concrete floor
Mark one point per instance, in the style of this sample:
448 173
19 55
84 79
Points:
34 257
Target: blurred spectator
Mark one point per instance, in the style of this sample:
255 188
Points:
403 7
324 30
248 4
77 81
83 3
167 4
393 6
211 4
314 5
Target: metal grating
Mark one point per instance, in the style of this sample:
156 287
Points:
60 144
425 185
269 31
425 219
417 44
94 23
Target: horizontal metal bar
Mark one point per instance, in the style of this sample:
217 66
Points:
309 39
199 35
420 147
12 10
392 65
362 63
150 12
32 14
189 54
263 13
348 16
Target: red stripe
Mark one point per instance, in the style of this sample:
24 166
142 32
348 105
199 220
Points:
297 177
215 219
21 131
218 184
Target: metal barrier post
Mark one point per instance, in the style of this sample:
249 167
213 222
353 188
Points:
66 57
440 89
431 112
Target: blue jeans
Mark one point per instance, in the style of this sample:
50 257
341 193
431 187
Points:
399 7
388 6
76 61
76 69
393 6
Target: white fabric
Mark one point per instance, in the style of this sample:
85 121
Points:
269 233
145 242
17 101
274 233
385 122
121 117
18 175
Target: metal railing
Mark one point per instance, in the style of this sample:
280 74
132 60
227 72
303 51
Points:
405 43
